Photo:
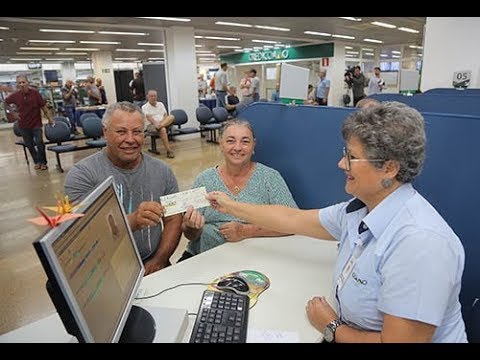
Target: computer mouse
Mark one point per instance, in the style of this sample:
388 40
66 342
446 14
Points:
234 284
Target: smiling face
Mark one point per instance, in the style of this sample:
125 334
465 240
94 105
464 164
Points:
237 145
124 135
364 180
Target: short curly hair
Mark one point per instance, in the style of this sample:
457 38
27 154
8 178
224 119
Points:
390 131
121 106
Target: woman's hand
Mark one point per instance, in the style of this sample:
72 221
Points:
219 201
320 313
232 231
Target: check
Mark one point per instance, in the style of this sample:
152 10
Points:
179 202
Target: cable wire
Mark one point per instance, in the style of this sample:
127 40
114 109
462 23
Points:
171 288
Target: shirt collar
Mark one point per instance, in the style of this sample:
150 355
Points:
378 219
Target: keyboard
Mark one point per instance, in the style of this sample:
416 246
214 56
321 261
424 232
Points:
222 318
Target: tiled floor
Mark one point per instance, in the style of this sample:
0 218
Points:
22 280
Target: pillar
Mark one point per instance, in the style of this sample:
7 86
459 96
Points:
68 71
335 74
103 68
181 68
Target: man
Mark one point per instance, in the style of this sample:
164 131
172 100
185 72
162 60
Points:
70 96
255 87
358 82
138 89
202 87
323 88
29 105
157 119
94 95
140 180
376 84
221 83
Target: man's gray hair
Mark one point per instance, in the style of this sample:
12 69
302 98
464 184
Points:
120 106
390 131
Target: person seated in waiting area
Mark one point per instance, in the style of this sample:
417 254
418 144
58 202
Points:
158 120
231 101
244 180
399 266
140 180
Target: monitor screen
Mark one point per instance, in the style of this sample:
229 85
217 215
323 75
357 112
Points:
94 267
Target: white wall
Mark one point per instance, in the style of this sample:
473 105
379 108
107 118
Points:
451 44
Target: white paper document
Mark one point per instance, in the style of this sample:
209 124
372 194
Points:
179 202
272 336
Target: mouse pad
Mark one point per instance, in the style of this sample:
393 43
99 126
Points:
257 282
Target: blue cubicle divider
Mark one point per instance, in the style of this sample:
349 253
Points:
452 91
438 103
304 144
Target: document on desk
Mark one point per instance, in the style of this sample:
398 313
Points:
179 202
272 336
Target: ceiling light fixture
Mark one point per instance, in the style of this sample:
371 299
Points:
343 36
68 31
382 24
100 42
221 38
228 47
232 24
350 18
413 31
123 33
4 28
150 44
166 18
373 41
265 41
71 53
52 41
132 50
82 49
316 33
40 48
271 28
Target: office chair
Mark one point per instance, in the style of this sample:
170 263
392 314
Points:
181 118
207 122
92 127
220 114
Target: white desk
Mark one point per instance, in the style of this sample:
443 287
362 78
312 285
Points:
298 268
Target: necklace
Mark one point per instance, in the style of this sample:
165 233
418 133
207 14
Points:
235 188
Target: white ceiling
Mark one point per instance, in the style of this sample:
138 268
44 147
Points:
21 30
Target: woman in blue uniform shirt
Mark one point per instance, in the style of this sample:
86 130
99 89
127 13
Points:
398 272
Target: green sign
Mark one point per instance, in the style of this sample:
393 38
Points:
275 55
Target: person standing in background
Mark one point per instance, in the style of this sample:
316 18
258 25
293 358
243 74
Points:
358 82
221 84
29 105
202 86
138 89
376 84
94 96
101 88
70 95
323 88
255 87
245 84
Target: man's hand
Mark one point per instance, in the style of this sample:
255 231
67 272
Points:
232 231
153 265
148 213
193 219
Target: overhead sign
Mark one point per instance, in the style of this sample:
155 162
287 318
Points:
282 54
461 79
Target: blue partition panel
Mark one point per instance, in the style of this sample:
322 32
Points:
304 144
451 91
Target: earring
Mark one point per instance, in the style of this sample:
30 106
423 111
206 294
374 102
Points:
386 183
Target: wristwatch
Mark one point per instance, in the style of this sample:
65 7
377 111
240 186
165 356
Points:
329 331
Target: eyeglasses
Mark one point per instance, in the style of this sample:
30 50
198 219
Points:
348 156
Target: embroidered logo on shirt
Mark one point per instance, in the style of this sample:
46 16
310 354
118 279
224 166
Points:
358 280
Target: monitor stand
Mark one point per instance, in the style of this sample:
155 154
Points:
155 324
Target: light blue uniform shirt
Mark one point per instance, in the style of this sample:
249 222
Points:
322 85
411 265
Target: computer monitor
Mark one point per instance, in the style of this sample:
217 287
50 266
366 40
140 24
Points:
94 271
